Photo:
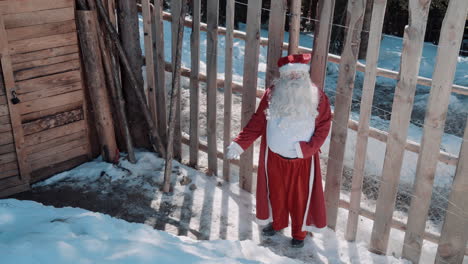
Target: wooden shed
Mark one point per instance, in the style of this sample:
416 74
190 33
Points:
43 122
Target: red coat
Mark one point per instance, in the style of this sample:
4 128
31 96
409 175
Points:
257 126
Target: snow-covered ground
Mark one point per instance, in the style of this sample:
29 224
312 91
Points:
202 207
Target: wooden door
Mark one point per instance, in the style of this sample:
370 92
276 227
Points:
47 129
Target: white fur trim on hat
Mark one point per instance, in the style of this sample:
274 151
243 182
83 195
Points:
294 67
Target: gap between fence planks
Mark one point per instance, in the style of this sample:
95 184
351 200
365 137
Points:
194 82
360 155
294 26
252 46
322 42
93 67
159 64
175 10
459 89
344 93
402 105
444 72
230 6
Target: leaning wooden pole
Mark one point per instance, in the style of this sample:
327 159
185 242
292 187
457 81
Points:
174 96
294 26
87 22
114 38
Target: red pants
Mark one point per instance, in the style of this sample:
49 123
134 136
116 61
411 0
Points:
288 183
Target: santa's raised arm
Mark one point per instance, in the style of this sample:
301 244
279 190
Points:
294 119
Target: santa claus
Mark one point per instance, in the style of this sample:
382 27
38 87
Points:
294 120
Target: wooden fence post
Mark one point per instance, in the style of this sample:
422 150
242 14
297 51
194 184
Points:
194 83
444 72
228 85
294 26
454 233
159 66
87 22
344 94
368 87
275 39
401 113
211 76
252 45
322 42
130 39
175 10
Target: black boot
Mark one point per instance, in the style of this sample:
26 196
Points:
268 230
296 243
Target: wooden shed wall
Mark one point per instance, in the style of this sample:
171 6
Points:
41 63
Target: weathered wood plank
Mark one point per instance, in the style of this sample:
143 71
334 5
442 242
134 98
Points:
360 155
53 121
14 7
454 233
5 128
9 166
8 85
50 134
11 182
402 105
194 81
6 138
22 75
294 25
211 76
50 102
21 187
4 110
29 45
10 173
48 82
55 142
38 17
7 158
322 35
444 72
344 94
230 6
251 59
4 120
56 149
175 10
3 100
275 39
45 62
46 172
43 30
7 148
51 92
52 111
159 66
59 157
44 54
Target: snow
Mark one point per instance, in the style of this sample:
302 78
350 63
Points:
216 210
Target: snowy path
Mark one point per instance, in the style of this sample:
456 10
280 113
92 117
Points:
211 210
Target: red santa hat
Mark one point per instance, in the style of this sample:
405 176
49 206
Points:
295 63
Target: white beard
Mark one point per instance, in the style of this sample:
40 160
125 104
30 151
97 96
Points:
294 97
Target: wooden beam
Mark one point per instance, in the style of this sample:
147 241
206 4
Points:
23 6
413 42
294 25
39 17
444 72
343 100
194 82
275 39
360 155
175 10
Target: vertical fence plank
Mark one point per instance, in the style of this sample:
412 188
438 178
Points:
434 123
401 113
228 84
252 45
175 11
211 76
344 93
148 40
294 26
275 39
194 83
372 57
322 42
454 234
159 66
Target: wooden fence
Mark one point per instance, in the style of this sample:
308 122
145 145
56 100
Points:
452 246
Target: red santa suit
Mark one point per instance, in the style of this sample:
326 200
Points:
289 181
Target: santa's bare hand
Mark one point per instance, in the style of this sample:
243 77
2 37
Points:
234 151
